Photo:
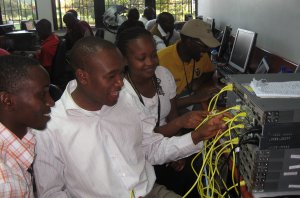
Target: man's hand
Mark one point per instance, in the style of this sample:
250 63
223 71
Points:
209 129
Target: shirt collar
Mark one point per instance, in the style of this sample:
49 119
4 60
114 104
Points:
162 32
20 150
71 107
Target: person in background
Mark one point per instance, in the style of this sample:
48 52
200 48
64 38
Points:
189 62
84 24
132 21
3 52
49 43
74 12
106 147
76 29
24 105
149 14
163 31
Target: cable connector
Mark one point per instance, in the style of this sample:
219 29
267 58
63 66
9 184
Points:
237 107
242 183
240 126
242 114
229 87
235 140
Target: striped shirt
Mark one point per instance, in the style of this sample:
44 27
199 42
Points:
16 156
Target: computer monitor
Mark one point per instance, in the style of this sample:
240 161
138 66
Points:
27 25
211 22
242 47
225 41
297 70
6 28
263 67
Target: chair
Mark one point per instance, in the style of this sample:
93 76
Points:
61 72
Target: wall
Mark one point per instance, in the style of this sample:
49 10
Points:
277 22
44 10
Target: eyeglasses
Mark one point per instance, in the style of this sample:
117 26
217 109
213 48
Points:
199 43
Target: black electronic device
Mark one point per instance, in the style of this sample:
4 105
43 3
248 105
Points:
225 45
6 28
27 25
297 70
241 50
22 40
270 164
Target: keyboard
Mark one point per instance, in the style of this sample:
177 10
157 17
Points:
227 70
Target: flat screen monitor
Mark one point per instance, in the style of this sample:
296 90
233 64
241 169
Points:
242 47
27 25
225 41
297 70
263 67
211 22
6 28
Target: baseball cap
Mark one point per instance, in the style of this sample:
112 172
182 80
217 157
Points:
197 28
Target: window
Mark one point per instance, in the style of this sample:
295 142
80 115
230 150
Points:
84 8
138 4
14 11
179 8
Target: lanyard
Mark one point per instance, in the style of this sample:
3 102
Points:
157 90
190 89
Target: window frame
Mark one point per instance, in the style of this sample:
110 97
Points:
99 9
21 17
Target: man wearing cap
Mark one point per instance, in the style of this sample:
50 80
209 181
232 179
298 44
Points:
189 61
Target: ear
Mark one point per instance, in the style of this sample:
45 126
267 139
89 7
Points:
6 100
82 76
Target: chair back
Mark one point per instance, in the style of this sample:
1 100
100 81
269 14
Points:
55 92
61 72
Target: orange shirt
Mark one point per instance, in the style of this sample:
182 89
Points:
182 71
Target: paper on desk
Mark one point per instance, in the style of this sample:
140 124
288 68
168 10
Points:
264 89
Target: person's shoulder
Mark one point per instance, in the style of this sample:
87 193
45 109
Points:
84 23
167 51
149 25
161 70
4 172
163 73
3 52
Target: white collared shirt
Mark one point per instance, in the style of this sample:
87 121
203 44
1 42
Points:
105 153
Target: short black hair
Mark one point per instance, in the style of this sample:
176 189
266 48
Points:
86 47
133 14
149 13
74 12
165 17
14 71
130 34
43 26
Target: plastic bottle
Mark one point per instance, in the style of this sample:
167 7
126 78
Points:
213 56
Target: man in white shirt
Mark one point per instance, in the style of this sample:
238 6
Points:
98 144
163 31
